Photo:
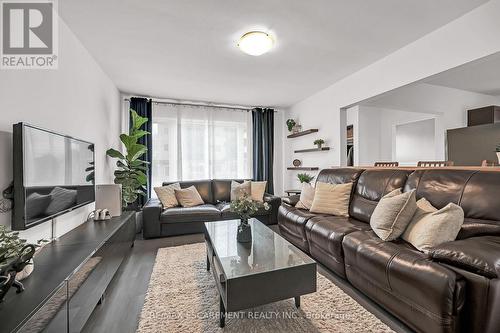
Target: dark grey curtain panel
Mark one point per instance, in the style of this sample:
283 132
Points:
144 108
263 146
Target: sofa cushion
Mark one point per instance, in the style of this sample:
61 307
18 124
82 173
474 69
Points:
221 189
339 175
430 227
257 190
239 190
439 187
292 222
393 214
480 255
325 235
188 197
332 199
476 227
372 185
202 213
204 188
306 197
166 194
480 196
424 294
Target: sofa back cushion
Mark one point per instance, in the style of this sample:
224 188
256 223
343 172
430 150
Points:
477 192
372 185
339 175
204 188
221 189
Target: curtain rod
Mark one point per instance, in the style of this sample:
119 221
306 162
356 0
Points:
215 105
224 106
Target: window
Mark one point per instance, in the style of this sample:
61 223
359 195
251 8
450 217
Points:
199 142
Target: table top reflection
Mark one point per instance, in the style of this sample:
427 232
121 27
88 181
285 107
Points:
268 251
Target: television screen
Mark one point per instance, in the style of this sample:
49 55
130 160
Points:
53 174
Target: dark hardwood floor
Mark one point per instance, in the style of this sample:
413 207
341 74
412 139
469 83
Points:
123 301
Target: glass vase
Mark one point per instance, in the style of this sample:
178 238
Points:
244 234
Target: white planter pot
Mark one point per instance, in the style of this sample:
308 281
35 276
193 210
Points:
498 156
28 269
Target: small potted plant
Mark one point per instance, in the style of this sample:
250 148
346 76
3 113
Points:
290 124
305 178
319 143
245 207
498 153
16 260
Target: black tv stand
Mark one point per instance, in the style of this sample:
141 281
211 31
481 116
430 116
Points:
70 278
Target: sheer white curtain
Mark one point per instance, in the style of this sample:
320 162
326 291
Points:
200 142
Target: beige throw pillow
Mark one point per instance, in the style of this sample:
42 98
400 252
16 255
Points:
431 227
189 197
166 194
393 214
306 196
257 190
238 190
331 199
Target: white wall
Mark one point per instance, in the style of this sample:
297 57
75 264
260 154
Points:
415 141
77 99
279 130
448 106
449 46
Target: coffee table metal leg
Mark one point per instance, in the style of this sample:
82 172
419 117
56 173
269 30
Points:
222 313
208 264
297 301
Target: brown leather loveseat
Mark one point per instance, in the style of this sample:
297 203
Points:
456 287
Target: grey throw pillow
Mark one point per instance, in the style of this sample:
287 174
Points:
430 227
62 199
36 204
393 214
239 190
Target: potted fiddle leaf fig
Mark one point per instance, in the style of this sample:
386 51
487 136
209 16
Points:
319 143
131 171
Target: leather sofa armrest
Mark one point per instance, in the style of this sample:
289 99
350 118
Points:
275 203
291 200
480 255
151 213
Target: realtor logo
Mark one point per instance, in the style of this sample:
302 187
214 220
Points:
29 34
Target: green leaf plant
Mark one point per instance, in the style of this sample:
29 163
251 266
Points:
131 171
11 244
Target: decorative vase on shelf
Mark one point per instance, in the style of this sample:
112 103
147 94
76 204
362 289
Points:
319 145
297 128
244 234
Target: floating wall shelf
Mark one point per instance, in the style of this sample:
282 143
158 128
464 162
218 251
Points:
303 168
312 149
296 135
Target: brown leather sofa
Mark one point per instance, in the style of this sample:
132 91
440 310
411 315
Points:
160 222
456 287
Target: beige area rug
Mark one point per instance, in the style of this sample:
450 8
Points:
182 297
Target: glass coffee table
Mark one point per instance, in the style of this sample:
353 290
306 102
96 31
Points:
267 270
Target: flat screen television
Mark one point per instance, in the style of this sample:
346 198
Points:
53 174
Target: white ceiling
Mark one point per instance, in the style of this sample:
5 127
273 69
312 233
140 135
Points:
480 76
186 49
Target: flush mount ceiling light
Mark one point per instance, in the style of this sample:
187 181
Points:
255 43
